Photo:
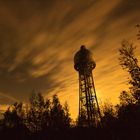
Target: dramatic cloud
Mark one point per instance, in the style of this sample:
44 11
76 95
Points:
38 40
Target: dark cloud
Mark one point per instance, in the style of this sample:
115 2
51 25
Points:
126 8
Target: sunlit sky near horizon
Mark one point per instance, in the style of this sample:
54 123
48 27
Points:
38 40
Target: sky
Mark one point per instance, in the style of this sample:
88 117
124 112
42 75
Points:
38 40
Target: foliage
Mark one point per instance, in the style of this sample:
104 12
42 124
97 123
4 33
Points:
59 115
129 62
126 98
13 116
109 115
35 114
128 113
39 115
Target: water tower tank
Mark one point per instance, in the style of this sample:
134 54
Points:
83 60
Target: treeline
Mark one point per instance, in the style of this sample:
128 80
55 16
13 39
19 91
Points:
37 116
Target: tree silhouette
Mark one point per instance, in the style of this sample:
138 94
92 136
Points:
126 98
59 116
129 62
109 115
36 112
13 116
67 118
129 109
46 115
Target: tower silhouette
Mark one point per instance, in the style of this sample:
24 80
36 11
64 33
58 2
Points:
89 112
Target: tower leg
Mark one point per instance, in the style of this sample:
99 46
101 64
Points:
89 112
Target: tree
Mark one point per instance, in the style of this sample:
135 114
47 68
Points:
59 116
35 119
46 114
13 116
126 98
129 108
67 119
129 62
109 115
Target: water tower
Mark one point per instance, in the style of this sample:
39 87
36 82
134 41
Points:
89 111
